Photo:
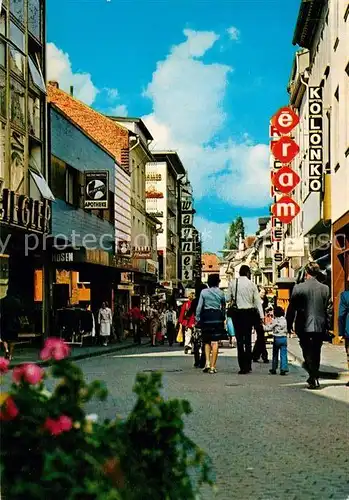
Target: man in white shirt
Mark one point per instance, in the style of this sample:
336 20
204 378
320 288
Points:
246 297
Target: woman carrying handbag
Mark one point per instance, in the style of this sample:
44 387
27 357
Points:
210 315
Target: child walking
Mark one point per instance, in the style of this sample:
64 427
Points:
278 327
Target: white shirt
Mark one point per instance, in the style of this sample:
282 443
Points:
171 317
247 296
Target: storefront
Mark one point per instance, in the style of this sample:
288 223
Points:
340 263
24 225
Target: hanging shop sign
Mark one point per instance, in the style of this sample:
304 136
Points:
166 284
277 233
128 287
153 193
151 266
285 149
187 267
294 247
153 177
187 219
285 209
187 204
187 233
96 188
21 211
285 120
123 248
126 277
187 246
142 253
315 139
285 179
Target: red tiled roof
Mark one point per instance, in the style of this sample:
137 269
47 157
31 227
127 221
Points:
109 134
210 263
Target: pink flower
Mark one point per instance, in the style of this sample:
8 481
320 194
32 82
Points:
61 424
4 365
9 410
54 348
28 372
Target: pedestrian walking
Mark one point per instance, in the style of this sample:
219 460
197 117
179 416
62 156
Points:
310 311
198 345
154 325
343 322
245 304
170 322
105 320
10 309
210 315
136 317
260 347
187 320
278 327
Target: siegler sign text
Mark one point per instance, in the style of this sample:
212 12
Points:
21 211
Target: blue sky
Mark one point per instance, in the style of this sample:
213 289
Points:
206 76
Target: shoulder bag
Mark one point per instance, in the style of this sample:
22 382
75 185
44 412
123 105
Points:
231 311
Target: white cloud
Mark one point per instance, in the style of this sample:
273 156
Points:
234 33
59 68
119 110
188 115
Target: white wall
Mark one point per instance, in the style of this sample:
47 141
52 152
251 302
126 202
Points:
339 109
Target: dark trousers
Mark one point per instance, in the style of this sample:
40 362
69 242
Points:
243 322
260 348
199 352
311 344
171 331
136 332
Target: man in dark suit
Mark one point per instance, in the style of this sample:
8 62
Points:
310 311
343 321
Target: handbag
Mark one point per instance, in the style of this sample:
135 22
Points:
179 338
230 327
231 312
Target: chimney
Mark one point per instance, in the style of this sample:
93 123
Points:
72 90
54 84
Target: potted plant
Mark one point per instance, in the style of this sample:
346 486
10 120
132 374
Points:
51 448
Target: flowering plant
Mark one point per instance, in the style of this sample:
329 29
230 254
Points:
50 447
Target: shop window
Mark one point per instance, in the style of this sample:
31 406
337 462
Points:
72 186
35 156
17 9
17 103
3 23
17 163
2 92
16 36
2 150
34 115
58 176
34 18
336 94
36 77
2 54
17 62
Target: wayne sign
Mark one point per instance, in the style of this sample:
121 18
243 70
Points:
285 180
285 209
285 149
285 120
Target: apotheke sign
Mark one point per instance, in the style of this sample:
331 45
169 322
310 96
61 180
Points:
20 211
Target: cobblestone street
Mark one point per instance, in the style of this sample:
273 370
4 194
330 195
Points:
269 438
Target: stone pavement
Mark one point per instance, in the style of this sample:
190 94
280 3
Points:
25 353
333 358
268 436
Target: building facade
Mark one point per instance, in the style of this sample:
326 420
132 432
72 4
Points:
25 195
319 92
162 199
